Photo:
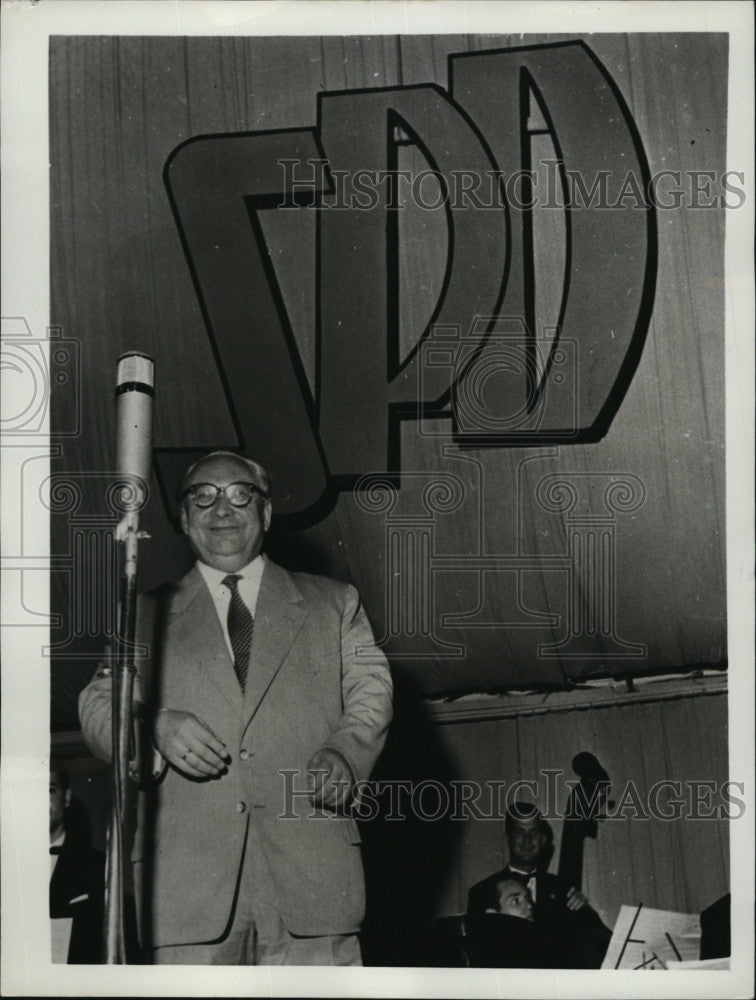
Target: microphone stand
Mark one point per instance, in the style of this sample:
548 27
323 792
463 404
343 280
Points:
127 535
134 392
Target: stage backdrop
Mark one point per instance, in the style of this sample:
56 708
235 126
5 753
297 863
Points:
540 507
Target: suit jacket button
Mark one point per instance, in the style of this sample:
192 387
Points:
244 754
241 807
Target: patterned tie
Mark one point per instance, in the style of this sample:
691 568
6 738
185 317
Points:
240 627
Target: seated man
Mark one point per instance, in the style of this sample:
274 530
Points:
77 882
505 936
559 909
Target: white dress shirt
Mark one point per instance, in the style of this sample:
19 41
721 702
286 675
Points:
248 588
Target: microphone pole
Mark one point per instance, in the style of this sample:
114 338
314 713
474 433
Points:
134 393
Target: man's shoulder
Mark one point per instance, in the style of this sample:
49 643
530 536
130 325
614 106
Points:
496 876
478 893
313 588
551 891
313 584
81 855
167 591
170 586
93 858
551 880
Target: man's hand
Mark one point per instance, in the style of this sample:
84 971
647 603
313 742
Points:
575 900
189 744
334 787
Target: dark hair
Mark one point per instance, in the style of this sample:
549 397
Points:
519 811
489 896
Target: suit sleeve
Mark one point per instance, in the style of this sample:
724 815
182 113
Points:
95 713
366 689
584 929
95 706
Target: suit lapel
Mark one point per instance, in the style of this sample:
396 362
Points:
279 617
59 886
66 882
194 621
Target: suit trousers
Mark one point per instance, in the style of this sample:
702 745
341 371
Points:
257 934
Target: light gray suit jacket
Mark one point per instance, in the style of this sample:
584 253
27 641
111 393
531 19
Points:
316 679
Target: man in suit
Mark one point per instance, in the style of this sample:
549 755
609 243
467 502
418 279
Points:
561 911
257 680
505 935
77 882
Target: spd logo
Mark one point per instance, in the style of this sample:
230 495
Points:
479 362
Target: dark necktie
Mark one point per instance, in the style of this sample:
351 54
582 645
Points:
55 850
240 627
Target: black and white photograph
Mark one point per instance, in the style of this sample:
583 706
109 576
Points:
377 498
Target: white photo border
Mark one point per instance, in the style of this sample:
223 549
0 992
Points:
26 28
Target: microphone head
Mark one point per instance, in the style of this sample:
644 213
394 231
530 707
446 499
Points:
135 368
134 392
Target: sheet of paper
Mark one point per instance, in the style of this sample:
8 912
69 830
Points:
645 938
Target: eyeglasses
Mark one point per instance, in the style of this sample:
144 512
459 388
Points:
237 494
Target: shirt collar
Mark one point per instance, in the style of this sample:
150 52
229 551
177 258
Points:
215 577
522 871
59 839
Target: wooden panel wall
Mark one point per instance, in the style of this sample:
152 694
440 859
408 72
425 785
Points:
656 861
423 867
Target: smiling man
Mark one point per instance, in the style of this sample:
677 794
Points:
560 912
253 672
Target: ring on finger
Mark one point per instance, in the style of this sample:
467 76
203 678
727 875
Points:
183 755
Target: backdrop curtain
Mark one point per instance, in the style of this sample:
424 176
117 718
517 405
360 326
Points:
676 864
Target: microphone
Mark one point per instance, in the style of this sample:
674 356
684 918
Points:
134 393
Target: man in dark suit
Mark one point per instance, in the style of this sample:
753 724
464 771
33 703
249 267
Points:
561 911
256 679
77 882
505 935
